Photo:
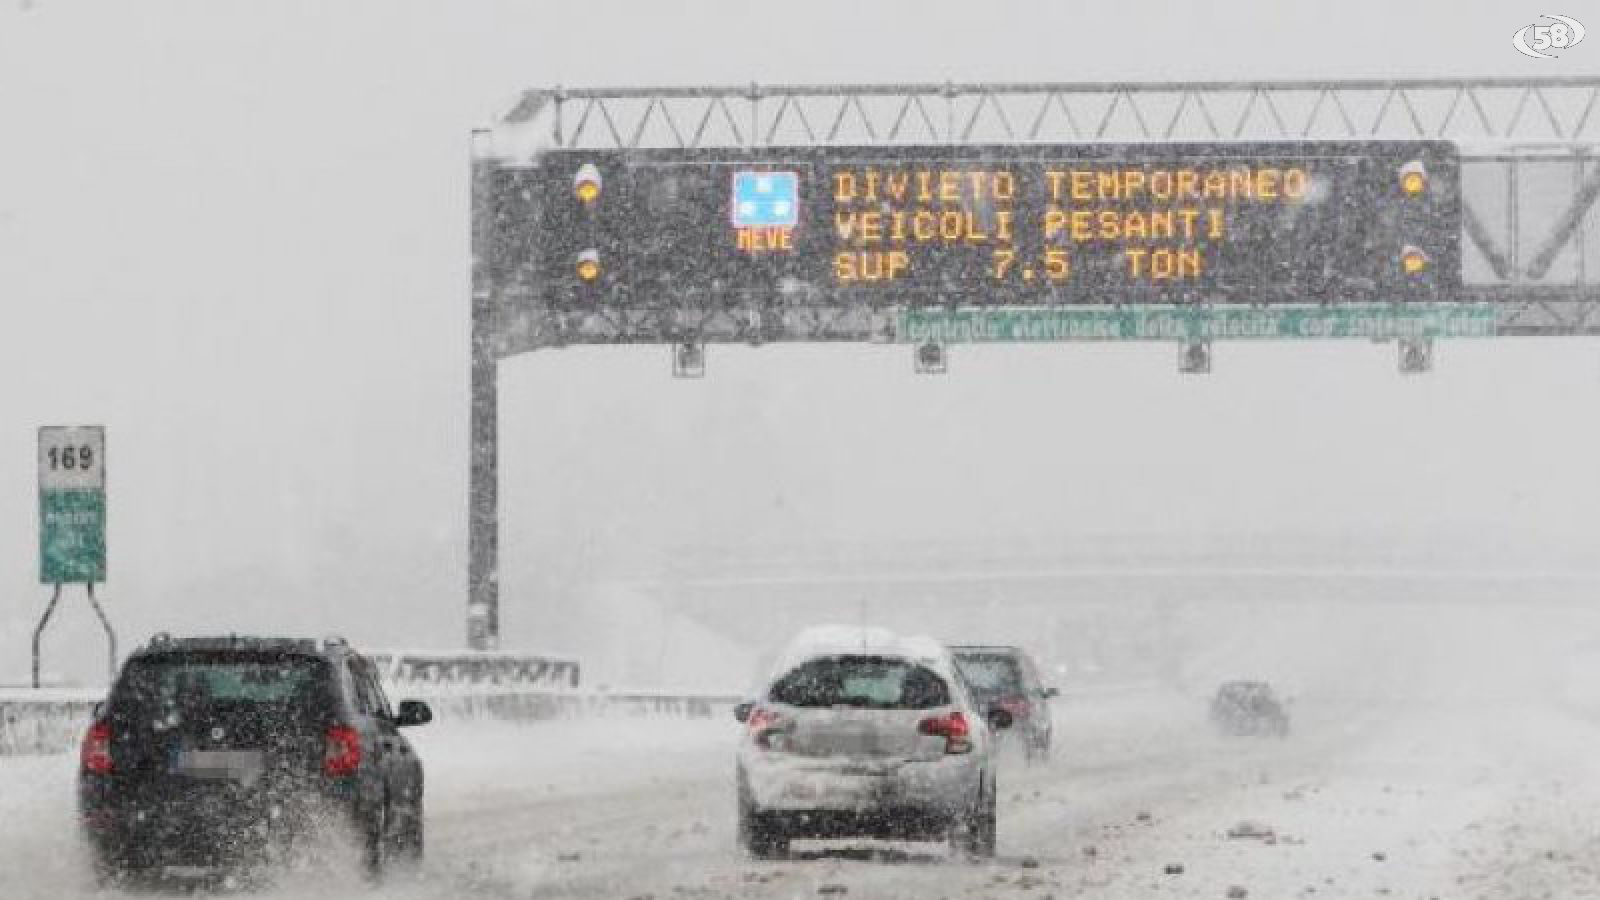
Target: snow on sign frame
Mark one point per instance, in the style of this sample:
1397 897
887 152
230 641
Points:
1311 222
72 504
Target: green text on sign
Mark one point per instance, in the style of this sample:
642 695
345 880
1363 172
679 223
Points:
1196 323
72 536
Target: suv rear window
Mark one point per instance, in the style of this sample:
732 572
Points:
867 682
222 679
990 672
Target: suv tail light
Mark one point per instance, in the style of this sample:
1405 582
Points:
769 730
341 753
95 754
953 728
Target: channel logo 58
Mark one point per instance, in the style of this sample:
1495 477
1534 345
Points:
1532 40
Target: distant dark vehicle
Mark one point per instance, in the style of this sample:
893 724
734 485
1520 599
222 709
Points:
228 754
1249 708
1006 677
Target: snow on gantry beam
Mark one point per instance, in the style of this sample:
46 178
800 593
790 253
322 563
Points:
1495 111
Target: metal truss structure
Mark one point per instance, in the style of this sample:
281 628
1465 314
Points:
1530 179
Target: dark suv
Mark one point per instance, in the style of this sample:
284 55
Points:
232 753
1005 677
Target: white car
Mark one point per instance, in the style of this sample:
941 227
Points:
859 733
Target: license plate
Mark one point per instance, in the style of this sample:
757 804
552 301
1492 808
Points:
871 769
855 742
832 793
232 765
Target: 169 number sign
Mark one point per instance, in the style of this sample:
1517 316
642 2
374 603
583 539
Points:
69 458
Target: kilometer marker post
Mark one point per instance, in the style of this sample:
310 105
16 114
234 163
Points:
72 522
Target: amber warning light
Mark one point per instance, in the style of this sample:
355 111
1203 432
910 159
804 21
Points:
1413 261
586 184
1413 179
589 265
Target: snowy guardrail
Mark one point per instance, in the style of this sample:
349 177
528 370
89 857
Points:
52 720
43 721
522 705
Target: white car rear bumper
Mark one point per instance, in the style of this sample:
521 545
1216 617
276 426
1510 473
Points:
780 781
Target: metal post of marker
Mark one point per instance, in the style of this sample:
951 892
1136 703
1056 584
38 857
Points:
111 636
38 632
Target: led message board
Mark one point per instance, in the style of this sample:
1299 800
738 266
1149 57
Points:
1029 225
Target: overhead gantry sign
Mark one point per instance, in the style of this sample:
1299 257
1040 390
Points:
934 214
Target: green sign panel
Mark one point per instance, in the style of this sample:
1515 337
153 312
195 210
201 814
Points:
1376 321
72 536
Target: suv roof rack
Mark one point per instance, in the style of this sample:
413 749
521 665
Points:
165 641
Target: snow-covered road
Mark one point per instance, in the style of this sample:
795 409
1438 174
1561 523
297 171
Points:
1363 800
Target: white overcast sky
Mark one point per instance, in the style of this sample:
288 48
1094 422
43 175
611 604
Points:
236 234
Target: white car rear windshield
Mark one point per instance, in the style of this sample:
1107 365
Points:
990 672
868 682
